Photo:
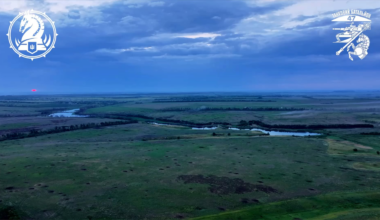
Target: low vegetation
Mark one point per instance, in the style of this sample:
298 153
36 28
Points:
59 129
116 164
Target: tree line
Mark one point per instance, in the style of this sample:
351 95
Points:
242 123
211 100
59 129
15 116
370 133
235 109
174 121
328 126
51 111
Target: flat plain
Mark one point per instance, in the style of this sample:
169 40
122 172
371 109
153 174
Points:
168 170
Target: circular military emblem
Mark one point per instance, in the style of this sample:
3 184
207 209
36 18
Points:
32 34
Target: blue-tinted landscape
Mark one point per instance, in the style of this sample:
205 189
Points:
190 109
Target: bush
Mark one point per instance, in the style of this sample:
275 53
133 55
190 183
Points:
243 123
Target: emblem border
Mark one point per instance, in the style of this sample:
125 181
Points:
27 56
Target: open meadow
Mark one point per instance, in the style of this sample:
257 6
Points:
166 156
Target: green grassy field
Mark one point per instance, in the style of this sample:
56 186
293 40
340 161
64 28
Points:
349 205
15 125
145 171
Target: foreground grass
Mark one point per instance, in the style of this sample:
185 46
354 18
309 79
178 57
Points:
350 205
132 171
112 173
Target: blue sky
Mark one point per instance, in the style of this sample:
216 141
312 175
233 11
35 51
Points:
190 46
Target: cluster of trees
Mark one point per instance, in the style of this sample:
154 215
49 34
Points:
59 129
329 126
236 109
243 123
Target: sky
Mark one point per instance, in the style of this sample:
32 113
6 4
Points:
129 46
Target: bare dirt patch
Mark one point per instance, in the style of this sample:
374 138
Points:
343 147
357 145
369 166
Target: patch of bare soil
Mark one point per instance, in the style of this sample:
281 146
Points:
225 185
357 145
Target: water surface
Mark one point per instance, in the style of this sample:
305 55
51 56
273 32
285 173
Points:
68 113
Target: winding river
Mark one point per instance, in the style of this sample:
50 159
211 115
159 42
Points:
271 133
70 114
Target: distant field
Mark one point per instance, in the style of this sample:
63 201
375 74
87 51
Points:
145 171
15 125
25 124
318 111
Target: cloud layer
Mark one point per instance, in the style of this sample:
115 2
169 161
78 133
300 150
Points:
244 44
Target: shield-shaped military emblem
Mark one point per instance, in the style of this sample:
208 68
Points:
32 47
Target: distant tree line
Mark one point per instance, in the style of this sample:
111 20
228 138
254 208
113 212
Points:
235 109
121 116
370 133
246 97
211 100
51 110
242 123
173 121
308 97
328 126
8 115
192 124
59 129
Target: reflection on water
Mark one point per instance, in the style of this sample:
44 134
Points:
154 123
205 128
271 133
68 113
283 133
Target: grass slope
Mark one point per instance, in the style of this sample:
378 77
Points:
350 205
